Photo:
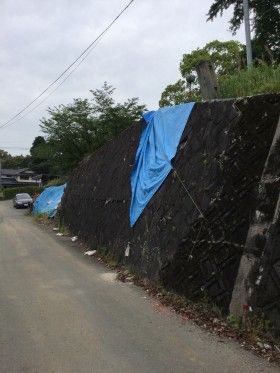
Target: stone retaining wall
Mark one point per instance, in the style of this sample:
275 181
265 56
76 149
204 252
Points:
217 171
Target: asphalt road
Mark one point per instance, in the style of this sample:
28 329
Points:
61 312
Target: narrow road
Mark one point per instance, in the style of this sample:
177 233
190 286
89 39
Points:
60 312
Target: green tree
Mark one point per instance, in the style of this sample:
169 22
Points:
16 161
226 57
41 153
75 130
265 16
178 93
4 155
69 132
111 117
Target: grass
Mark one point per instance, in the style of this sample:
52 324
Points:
41 218
64 229
257 80
58 181
44 219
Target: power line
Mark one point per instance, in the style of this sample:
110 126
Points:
51 92
84 54
14 147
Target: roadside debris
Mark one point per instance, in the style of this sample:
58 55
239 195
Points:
74 239
90 252
265 346
127 250
204 317
109 277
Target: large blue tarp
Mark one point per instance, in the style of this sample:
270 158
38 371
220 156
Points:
158 145
48 201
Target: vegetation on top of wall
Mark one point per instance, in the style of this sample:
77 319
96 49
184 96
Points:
57 181
257 80
235 80
261 79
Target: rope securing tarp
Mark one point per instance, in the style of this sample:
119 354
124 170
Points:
157 147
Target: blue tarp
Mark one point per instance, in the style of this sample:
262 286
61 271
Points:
48 200
158 145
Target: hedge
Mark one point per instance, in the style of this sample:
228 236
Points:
9 193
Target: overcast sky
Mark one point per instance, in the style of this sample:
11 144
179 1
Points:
139 56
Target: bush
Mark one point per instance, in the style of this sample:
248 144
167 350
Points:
58 181
257 80
9 193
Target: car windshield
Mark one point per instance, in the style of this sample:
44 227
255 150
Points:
23 196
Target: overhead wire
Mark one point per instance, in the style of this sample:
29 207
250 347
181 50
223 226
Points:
14 147
55 89
82 56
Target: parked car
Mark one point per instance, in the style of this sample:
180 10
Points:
22 200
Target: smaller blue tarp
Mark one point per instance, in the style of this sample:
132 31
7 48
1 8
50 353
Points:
48 201
157 147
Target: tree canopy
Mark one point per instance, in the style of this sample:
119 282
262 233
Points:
265 18
178 93
41 153
16 161
77 129
70 132
227 57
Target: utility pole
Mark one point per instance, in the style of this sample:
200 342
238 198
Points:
247 33
207 80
